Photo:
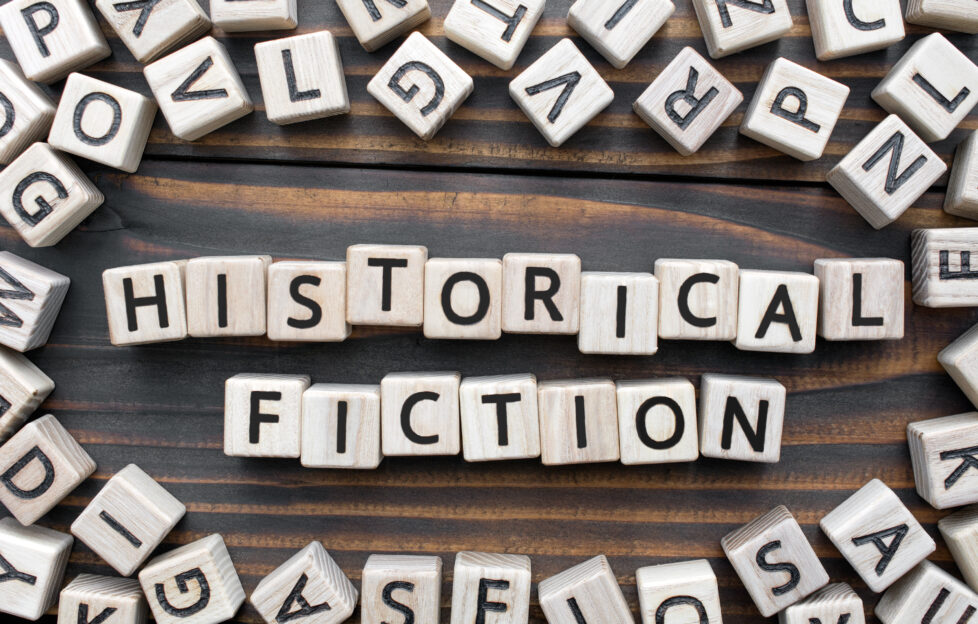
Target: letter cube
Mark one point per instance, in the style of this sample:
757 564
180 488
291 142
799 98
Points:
741 418
307 301
341 426
843 28
956 15
263 415
250 15
619 30
463 298
421 86
30 300
541 293
619 313
679 592
560 92
778 312
962 190
942 451
32 562
496 30
92 598
385 285
149 28
377 22
400 586
960 360
730 26
587 592
226 296
578 421
927 594
499 417
657 421
942 273
832 603
698 299
39 466
960 533
146 303
419 414
860 299
27 112
486 583
23 387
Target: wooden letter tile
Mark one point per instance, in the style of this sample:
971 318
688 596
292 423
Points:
463 298
102 122
307 301
942 451
619 30
250 15
128 519
846 28
496 30
956 15
52 38
962 190
34 560
91 598
794 110
698 299
578 422
385 285
778 312
302 78
146 303
419 414
657 421
960 533
741 418
39 466
23 387
730 26
499 417
46 195
198 89
197 580
150 29
263 415
943 276
877 535
377 22
861 299
398 588
309 586
491 588
341 426
679 593
774 561
27 112
832 603
226 296
561 92
687 102
927 594
619 313
30 300
960 360
588 592
541 293
421 86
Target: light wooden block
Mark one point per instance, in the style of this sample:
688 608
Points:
152 28
853 27
578 421
421 86
197 581
302 78
27 112
927 594
128 519
35 558
40 465
741 418
778 312
943 276
91 598
960 360
490 587
774 561
942 451
145 303
495 30
463 298
341 426
962 189
251 15
698 299
385 285
310 586
560 92
731 26
198 89
960 533
587 592
860 299
877 535
377 22
419 414
688 102
499 417
619 30
263 415
619 313
794 110
307 301
401 588
956 15
657 421
46 195
226 296
886 172
833 603
100 121
53 38
23 387
685 592
541 293
30 300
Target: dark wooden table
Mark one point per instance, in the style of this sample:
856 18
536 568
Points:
616 194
